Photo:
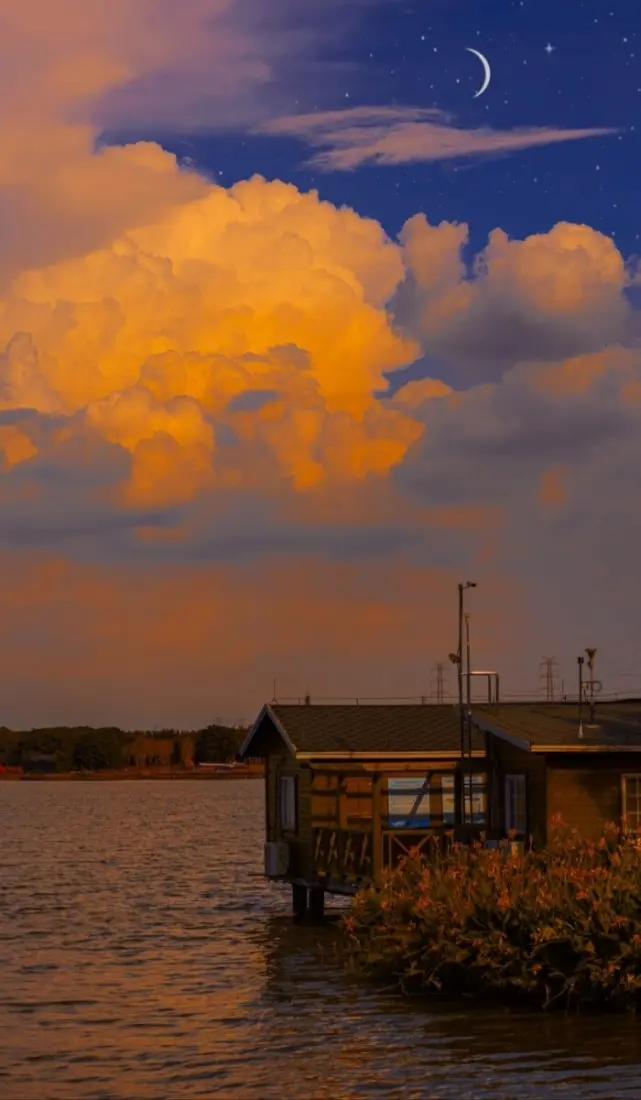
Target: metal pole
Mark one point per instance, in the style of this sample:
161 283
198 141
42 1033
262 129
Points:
469 711
467 660
461 814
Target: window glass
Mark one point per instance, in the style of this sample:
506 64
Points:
515 809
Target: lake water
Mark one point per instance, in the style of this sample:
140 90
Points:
140 957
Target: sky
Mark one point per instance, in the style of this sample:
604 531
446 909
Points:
298 331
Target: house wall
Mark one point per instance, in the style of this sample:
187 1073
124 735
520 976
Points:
506 759
299 840
585 790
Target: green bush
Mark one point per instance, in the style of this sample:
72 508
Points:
561 926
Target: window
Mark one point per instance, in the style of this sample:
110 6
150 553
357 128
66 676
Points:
515 807
418 803
475 799
288 803
408 803
632 803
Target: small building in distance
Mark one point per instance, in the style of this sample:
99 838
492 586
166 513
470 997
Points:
160 750
350 789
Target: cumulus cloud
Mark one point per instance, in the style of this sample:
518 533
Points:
232 347
202 392
552 295
358 136
71 72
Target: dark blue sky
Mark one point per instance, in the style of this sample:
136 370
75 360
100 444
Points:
413 54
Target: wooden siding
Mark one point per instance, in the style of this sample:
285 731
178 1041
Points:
585 791
300 838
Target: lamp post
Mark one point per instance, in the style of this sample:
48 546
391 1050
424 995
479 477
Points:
457 658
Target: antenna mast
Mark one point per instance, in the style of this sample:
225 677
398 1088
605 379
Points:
439 670
547 675
593 686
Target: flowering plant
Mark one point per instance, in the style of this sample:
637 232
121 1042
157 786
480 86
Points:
556 926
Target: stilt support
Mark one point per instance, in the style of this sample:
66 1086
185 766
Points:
299 900
317 903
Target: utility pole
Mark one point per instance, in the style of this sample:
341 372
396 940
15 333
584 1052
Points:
547 675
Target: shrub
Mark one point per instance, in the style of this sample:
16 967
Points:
558 926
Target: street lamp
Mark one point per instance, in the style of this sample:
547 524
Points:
457 659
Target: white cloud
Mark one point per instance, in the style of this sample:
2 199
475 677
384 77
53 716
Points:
359 136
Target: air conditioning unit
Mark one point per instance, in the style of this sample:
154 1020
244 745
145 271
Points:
276 858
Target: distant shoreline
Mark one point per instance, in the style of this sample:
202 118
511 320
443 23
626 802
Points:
133 775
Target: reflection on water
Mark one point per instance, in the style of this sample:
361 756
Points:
142 956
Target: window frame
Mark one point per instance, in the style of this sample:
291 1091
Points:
636 830
510 779
288 824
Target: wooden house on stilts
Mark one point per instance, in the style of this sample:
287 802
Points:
351 789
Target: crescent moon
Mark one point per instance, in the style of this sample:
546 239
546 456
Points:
486 69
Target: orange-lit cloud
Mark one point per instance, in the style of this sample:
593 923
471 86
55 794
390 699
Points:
71 72
356 136
201 392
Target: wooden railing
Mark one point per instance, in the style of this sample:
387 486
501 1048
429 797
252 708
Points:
353 840
344 855
349 855
399 845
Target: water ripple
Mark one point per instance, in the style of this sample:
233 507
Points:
142 956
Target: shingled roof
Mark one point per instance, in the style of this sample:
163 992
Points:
311 730
555 727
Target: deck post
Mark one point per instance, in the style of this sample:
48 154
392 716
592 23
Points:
317 903
377 829
299 899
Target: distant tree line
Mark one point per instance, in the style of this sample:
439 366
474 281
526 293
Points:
84 748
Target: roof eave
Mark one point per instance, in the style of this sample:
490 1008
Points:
443 754
503 735
266 711
586 748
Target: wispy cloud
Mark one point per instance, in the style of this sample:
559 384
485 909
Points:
354 137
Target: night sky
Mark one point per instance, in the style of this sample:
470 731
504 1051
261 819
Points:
414 55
